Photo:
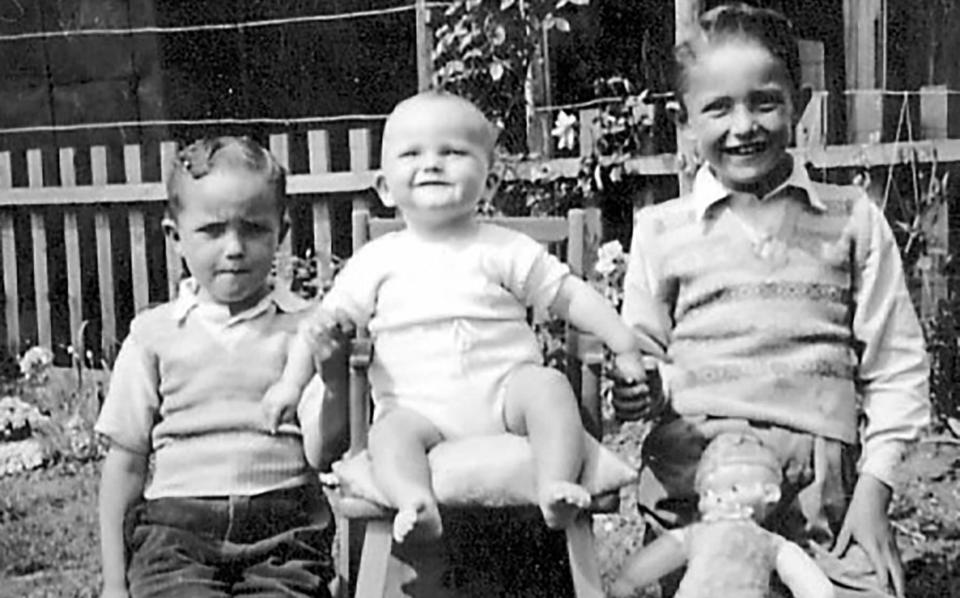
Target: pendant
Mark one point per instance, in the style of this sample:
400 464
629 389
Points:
771 250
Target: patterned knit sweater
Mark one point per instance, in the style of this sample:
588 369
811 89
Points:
190 397
754 337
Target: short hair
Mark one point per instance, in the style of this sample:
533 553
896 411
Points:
765 26
487 128
208 154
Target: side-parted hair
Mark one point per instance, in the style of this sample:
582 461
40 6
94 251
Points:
209 154
739 21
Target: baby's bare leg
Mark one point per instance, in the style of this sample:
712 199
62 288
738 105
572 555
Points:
399 441
540 404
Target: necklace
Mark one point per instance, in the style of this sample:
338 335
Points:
768 247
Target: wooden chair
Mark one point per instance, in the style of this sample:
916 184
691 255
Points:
579 233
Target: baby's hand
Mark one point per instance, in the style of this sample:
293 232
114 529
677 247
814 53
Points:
321 330
279 404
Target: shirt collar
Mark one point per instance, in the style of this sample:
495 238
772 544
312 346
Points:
708 190
188 299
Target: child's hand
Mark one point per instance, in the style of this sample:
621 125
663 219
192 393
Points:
629 368
867 525
631 392
279 404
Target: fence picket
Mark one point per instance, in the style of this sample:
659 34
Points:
168 153
138 237
280 148
318 155
101 224
71 242
11 294
38 235
71 245
41 280
359 141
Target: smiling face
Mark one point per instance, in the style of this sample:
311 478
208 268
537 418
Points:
436 159
740 112
227 229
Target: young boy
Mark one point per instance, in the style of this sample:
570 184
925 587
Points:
229 508
446 302
788 311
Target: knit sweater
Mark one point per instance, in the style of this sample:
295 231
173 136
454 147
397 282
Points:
189 394
778 336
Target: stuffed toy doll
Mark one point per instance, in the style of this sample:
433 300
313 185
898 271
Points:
727 552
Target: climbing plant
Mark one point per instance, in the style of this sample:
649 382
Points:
485 49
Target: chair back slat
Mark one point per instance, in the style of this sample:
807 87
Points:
544 229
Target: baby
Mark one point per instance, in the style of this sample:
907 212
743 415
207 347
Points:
445 301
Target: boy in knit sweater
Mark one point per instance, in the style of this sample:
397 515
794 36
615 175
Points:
784 310
229 508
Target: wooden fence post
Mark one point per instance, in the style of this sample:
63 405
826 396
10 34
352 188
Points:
38 234
71 246
101 220
11 293
138 236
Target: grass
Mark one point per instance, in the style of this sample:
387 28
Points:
49 545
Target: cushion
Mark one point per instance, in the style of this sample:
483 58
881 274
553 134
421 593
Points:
493 471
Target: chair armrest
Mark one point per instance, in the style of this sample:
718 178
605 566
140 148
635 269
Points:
589 349
361 352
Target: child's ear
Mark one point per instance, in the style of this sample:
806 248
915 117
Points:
676 112
383 191
171 231
771 493
492 184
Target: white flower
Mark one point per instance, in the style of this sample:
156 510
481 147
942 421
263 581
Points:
564 129
35 363
609 255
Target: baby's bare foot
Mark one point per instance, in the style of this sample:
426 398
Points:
419 520
561 501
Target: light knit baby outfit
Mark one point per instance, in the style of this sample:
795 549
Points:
448 320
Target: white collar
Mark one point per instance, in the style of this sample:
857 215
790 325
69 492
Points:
188 299
708 190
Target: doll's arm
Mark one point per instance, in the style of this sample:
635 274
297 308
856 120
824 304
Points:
801 574
650 563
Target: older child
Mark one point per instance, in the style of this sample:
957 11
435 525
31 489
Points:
788 311
229 509
446 301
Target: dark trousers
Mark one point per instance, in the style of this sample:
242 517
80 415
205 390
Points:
273 544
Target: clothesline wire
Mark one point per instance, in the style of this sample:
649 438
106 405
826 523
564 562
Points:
200 122
213 26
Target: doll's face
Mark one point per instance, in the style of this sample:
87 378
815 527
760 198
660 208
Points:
738 489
